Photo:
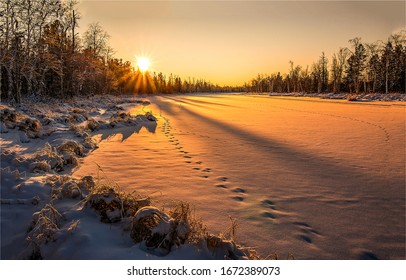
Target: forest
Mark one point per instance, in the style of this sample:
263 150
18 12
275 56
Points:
361 68
42 54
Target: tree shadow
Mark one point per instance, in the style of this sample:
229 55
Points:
127 131
198 102
320 169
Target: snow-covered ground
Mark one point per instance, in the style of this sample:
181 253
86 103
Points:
319 179
47 214
312 178
348 96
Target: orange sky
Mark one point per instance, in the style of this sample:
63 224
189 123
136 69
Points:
230 42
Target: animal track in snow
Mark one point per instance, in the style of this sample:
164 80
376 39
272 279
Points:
306 232
239 190
223 179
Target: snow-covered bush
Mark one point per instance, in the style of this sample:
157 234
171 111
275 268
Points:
113 205
89 143
46 223
31 126
150 117
71 146
221 248
159 231
92 125
8 116
155 228
67 187
78 130
39 166
119 117
51 156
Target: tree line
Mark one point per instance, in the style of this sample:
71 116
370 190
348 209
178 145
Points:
41 53
361 68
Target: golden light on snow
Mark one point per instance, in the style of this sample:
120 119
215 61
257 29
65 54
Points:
143 63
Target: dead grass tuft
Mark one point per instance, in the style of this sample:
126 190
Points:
92 125
150 117
160 231
31 126
51 156
8 115
71 146
39 166
46 223
78 130
110 202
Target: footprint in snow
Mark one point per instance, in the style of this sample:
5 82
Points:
305 238
307 233
269 215
268 203
223 179
239 190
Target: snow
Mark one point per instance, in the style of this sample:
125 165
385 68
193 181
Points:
308 177
363 97
319 179
46 213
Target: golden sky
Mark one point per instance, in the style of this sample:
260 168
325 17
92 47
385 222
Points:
230 42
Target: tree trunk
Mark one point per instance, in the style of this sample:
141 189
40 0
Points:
386 76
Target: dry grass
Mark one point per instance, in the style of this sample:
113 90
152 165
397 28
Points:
39 166
8 114
161 231
92 125
78 130
46 223
111 203
51 156
30 124
157 230
66 187
71 146
186 218
150 116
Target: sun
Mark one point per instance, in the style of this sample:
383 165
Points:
143 63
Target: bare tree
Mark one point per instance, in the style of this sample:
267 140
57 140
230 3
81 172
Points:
96 39
337 68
